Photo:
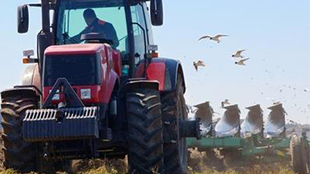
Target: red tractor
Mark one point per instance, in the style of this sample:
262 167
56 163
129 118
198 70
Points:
88 95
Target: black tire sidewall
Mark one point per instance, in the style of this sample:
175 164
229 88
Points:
18 154
175 152
145 137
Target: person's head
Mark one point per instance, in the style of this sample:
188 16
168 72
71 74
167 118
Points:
89 16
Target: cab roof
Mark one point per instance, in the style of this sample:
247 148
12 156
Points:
74 49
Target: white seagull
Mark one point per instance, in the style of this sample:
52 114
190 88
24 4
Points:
214 38
238 54
225 102
241 61
198 63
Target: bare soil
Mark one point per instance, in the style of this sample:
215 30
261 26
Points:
207 162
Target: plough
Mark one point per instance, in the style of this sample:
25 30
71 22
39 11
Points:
251 138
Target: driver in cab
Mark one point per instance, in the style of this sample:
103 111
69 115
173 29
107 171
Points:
95 25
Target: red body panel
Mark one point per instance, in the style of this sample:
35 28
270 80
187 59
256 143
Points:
110 77
156 70
117 61
73 49
99 93
95 90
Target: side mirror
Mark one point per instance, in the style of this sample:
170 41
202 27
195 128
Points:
157 16
22 19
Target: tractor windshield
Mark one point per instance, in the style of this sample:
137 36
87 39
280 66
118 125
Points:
77 17
77 69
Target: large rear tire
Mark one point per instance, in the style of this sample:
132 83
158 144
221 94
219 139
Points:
298 155
145 138
18 154
174 110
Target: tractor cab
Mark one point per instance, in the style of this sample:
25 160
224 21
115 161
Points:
92 44
125 24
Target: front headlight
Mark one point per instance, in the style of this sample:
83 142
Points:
85 94
56 96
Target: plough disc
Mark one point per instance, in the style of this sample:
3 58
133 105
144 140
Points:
275 125
253 123
204 112
229 125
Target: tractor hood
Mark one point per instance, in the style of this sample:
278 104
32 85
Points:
74 49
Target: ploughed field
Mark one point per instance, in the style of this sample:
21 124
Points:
199 163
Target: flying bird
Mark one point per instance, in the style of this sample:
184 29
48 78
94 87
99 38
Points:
225 102
214 38
276 103
241 61
238 54
198 63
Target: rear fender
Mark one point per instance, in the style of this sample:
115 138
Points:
166 72
174 71
140 83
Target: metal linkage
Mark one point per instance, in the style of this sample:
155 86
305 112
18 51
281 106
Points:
190 128
71 98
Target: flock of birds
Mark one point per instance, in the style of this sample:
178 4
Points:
238 58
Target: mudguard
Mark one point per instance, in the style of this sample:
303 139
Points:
32 77
229 125
253 123
165 71
136 83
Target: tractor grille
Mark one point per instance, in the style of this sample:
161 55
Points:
61 124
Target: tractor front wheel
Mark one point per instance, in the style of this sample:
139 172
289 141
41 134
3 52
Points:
18 154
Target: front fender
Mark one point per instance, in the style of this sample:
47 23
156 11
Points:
32 76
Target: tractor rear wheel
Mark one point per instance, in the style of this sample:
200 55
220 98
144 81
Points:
145 137
174 110
298 155
18 154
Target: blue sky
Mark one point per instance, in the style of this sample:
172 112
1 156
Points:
275 33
